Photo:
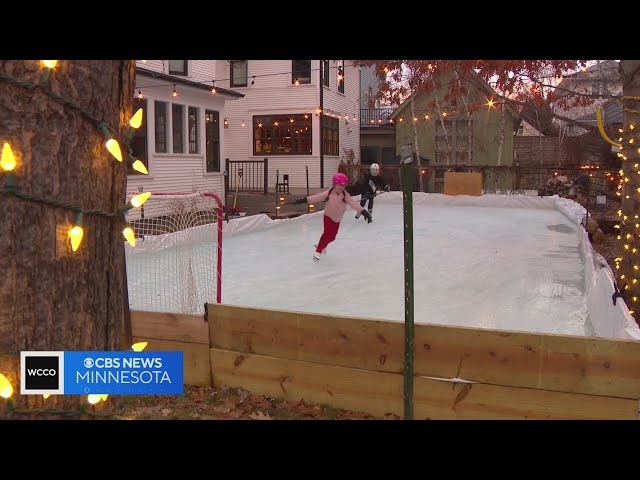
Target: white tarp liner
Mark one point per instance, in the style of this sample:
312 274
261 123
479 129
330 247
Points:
508 262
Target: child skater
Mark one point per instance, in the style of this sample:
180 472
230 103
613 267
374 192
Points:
368 185
336 199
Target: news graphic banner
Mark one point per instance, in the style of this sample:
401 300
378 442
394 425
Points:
113 373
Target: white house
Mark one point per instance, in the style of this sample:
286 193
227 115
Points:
181 139
279 117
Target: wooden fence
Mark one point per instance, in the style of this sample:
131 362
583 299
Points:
357 364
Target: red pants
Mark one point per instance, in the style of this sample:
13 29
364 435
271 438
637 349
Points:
329 233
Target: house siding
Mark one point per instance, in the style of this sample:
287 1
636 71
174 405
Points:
168 172
275 94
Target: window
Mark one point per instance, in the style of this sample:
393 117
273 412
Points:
161 126
282 134
595 89
457 132
341 76
139 141
178 67
325 73
193 130
238 73
177 118
301 70
212 139
330 134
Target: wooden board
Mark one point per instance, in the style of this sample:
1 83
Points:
170 326
361 343
197 368
359 390
564 363
379 393
462 183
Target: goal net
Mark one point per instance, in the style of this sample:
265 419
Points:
175 265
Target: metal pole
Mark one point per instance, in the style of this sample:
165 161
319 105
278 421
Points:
306 167
407 206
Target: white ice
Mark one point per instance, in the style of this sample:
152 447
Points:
503 268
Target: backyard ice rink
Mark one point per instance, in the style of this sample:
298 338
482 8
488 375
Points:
489 267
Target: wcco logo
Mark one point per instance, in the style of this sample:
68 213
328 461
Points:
42 372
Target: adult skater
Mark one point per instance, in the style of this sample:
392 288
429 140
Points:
369 183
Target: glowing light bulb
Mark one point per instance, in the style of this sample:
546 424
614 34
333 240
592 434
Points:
104 397
93 399
297 82
139 200
8 160
50 63
138 166
6 390
213 90
114 149
75 235
490 103
46 395
138 347
242 124
136 120
130 236
140 96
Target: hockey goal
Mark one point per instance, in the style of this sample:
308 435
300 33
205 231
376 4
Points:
176 263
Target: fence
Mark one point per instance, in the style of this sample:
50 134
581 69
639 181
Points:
494 178
247 176
357 363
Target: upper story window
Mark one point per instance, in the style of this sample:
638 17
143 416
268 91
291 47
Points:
238 73
325 73
178 67
301 71
341 76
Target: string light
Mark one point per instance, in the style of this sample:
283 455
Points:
8 159
76 232
6 390
138 347
175 93
138 166
140 94
129 236
50 63
139 199
297 82
136 120
213 87
114 149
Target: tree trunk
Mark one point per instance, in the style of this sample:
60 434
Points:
444 129
50 297
630 72
415 139
501 144
465 100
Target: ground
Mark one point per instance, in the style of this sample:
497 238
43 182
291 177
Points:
226 403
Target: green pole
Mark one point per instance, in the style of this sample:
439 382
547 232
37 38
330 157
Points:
407 206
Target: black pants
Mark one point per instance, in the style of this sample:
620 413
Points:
364 199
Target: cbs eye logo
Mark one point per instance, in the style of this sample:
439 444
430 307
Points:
42 372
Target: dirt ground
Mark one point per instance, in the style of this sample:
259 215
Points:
204 403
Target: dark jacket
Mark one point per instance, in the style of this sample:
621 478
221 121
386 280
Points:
369 183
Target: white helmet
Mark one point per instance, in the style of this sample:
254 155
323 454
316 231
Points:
375 169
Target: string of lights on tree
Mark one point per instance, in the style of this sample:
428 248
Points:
114 144
627 144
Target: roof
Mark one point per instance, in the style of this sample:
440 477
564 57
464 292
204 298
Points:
476 82
607 70
185 82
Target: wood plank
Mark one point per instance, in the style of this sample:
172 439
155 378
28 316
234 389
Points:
586 365
463 183
170 326
353 342
360 390
197 368
439 400
379 393
563 363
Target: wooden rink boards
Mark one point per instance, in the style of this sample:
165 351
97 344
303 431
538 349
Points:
357 364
